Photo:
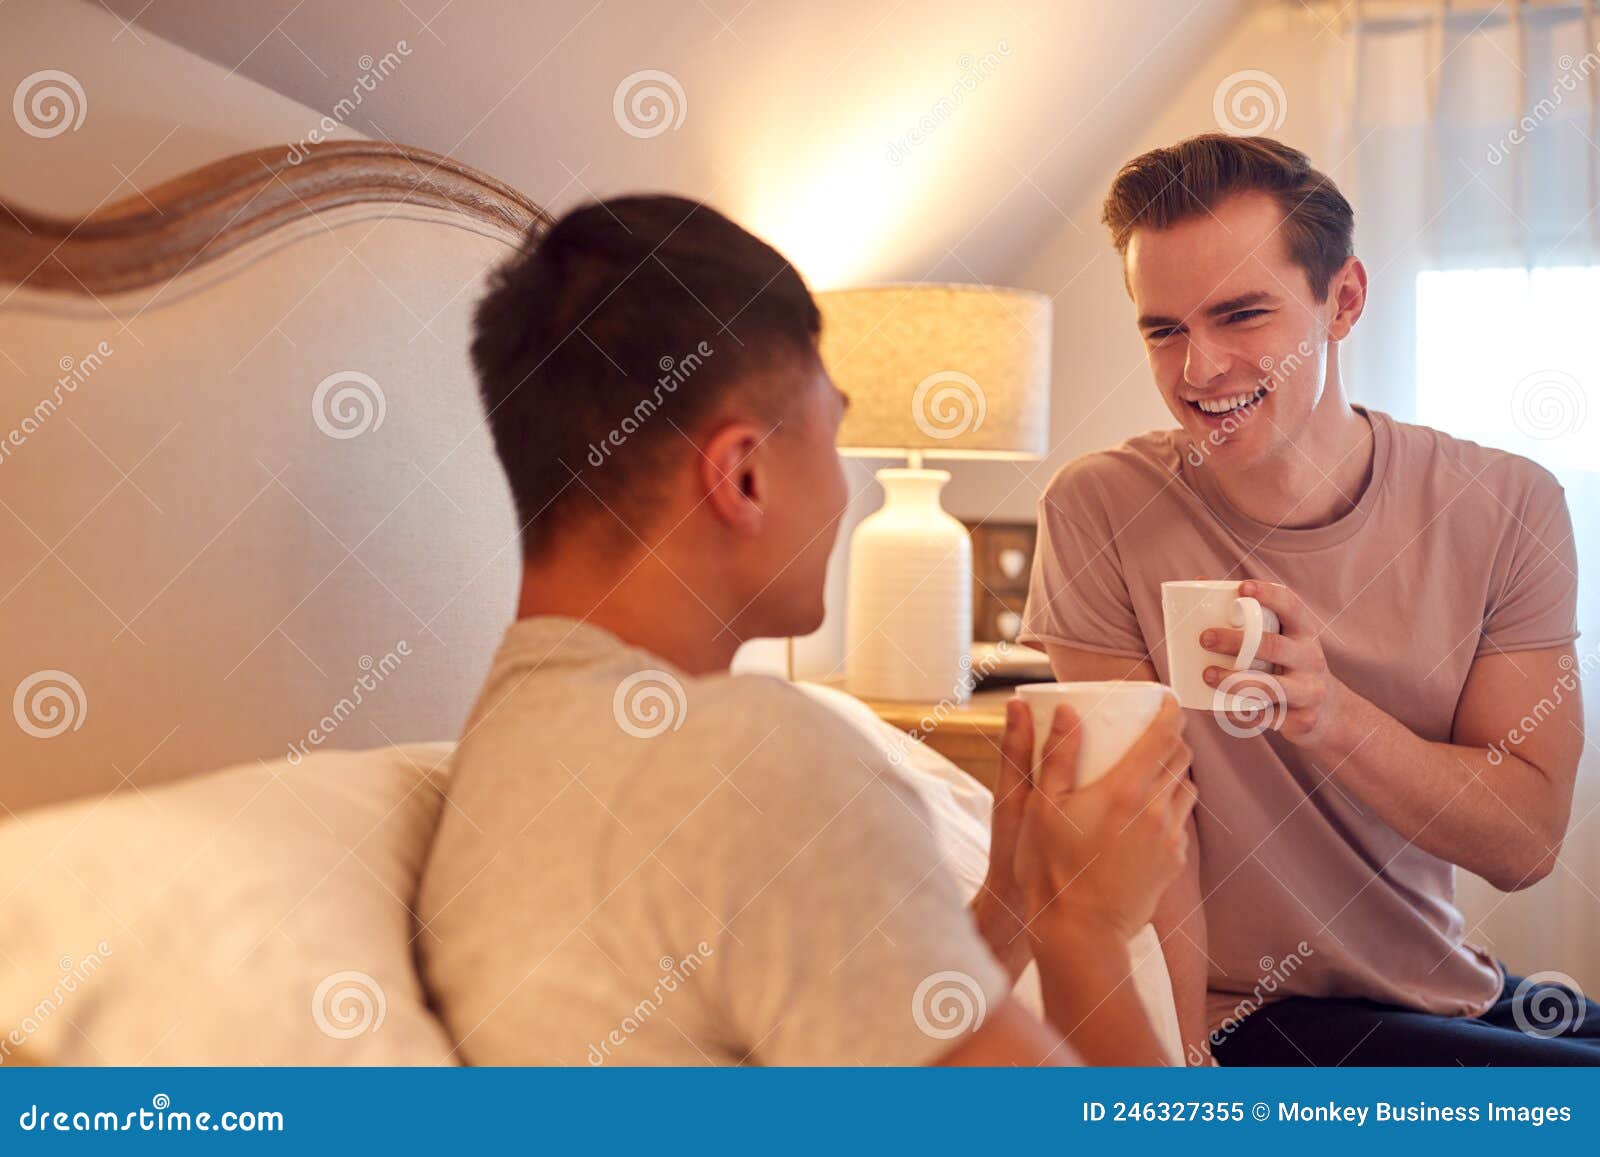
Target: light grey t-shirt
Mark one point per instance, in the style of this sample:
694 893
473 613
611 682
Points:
635 866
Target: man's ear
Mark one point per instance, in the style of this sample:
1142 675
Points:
1348 288
732 475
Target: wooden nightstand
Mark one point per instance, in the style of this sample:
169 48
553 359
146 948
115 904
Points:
968 735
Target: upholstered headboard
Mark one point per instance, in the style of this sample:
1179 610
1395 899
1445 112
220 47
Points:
248 502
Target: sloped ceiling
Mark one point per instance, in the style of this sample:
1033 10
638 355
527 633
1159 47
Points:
868 140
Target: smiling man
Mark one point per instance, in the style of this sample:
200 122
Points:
1427 592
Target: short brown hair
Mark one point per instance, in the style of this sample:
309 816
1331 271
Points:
595 326
1165 186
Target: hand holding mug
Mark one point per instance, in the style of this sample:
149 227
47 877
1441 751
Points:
1098 857
1301 696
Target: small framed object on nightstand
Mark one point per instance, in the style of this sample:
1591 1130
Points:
1002 560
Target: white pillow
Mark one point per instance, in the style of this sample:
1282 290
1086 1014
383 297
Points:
255 915
960 807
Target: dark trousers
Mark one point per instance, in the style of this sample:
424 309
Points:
1546 1024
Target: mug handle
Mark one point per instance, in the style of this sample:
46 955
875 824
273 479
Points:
1253 617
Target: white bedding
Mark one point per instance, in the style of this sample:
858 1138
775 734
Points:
254 915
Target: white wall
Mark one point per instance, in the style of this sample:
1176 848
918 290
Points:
151 110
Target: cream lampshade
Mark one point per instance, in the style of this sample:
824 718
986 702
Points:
932 371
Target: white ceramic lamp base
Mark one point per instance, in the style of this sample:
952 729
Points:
909 613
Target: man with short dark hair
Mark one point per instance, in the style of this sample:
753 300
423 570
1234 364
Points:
1427 591
647 860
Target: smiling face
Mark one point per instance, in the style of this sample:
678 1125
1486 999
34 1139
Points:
1237 340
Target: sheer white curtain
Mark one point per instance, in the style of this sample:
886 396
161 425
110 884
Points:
1474 133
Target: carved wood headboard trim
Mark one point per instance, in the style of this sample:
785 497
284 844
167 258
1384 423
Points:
205 214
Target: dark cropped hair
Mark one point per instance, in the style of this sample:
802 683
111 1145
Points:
616 333
1168 185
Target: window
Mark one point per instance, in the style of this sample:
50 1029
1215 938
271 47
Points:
1511 358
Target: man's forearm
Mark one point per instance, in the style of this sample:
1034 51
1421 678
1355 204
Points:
1001 929
1500 819
1180 922
1089 996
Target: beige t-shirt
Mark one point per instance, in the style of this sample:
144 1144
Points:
1453 551
637 867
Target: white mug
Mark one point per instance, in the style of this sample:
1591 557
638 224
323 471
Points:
1187 608
1111 716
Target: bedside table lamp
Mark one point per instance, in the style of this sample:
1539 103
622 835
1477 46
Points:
932 371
